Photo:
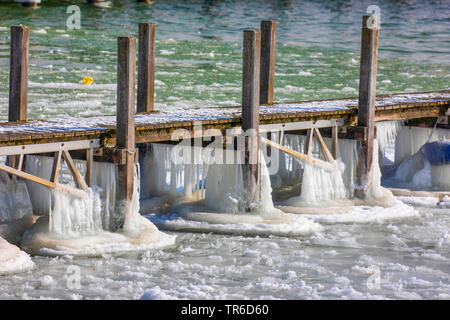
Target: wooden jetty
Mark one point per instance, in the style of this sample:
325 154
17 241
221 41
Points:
114 138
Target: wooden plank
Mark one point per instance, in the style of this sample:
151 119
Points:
298 155
56 166
49 147
20 164
268 47
18 76
250 108
323 146
146 67
125 135
43 182
73 169
308 142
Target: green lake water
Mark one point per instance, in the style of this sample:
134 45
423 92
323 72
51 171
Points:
199 51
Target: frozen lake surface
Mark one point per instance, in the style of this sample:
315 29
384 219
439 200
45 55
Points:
405 258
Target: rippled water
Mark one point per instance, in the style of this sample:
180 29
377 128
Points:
199 46
199 64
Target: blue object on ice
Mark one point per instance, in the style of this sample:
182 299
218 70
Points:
438 152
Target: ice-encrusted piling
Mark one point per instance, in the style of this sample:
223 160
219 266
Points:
126 68
146 67
268 46
366 100
250 110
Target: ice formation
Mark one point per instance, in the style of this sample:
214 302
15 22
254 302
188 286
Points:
89 225
413 167
12 260
214 198
15 218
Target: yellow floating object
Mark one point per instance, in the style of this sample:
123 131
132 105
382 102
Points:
88 80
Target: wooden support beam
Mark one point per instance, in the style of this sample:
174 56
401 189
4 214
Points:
250 109
146 68
367 91
298 155
18 76
126 69
43 182
323 146
56 166
268 46
73 169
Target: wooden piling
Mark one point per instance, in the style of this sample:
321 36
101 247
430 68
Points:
18 76
146 67
267 68
18 79
334 141
250 108
125 139
367 91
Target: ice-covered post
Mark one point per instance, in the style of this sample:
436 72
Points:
250 109
366 101
125 140
267 69
146 67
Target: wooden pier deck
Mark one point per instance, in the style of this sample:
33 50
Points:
158 126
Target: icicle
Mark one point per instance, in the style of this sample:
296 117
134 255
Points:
15 201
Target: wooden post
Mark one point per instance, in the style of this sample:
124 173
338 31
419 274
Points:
18 76
268 45
29 3
367 92
18 79
334 141
146 67
89 166
250 108
125 139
